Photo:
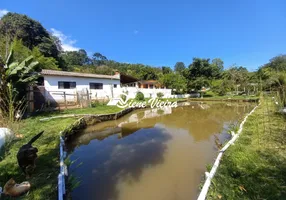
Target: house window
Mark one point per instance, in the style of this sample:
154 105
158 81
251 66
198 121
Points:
66 85
151 86
115 85
97 86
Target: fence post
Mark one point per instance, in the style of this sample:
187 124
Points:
75 97
65 99
30 98
87 97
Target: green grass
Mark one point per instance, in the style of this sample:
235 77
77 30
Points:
100 109
255 167
44 179
235 97
240 97
213 96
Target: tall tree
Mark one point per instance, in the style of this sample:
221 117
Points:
174 81
277 63
72 58
98 59
31 32
201 72
217 67
179 67
273 76
20 52
237 75
166 70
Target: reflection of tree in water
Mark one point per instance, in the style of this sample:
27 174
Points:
106 161
140 115
160 111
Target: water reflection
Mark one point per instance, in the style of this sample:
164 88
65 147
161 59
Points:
151 154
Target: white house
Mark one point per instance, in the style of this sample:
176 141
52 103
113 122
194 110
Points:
60 84
97 85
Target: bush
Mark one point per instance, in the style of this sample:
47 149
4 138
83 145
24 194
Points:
139 96
160 94
96 103
209 94
123 97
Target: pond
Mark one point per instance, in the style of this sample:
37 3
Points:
154 154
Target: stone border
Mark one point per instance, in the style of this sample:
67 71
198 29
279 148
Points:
89 120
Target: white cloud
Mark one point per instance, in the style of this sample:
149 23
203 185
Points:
67 42
3 12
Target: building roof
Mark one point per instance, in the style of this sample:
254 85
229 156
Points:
77 74
148 81
127 79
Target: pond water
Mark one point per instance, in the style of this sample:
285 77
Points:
151 154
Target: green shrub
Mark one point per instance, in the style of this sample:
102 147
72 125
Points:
139 96
160 95
96 103
123 97
209 94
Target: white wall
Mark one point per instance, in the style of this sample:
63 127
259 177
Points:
148 93
82 83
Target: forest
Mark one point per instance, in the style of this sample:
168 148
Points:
27 37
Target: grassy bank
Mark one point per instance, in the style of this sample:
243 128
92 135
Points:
226 98
99 109
255 167
44 179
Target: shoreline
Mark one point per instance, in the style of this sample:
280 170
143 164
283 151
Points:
253 168
209 175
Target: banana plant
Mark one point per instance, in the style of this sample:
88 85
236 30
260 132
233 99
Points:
21 72
15 77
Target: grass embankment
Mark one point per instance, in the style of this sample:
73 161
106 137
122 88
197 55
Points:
226 98
236 97
44 178
99 109
255 167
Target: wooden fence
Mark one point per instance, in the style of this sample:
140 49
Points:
39 99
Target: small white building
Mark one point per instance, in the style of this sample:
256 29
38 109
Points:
61 86
97 85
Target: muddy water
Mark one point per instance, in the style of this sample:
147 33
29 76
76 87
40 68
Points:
151 154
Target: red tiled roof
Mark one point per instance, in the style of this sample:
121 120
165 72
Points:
148 81
76 74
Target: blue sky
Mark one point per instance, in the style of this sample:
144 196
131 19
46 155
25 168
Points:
162 32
